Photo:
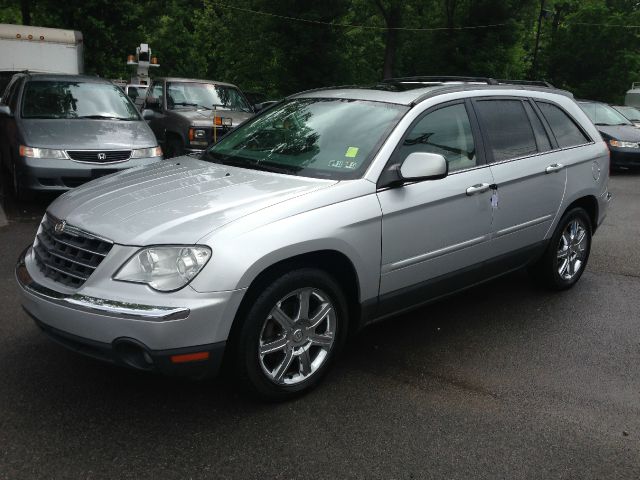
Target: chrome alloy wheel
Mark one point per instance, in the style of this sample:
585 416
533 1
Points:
297 336
572 249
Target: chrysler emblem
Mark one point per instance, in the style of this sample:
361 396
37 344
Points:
59 228
102 156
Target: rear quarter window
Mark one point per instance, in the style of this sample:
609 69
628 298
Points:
564 128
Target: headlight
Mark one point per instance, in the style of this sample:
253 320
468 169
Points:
34 152
197 135
147 152
620 144
164 268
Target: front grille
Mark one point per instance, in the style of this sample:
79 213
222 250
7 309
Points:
68 257
97 156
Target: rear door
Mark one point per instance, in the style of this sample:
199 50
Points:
435 227
529 178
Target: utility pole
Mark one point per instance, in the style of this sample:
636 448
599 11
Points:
534 67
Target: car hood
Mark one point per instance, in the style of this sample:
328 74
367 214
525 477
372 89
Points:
177 201
87 134
204 118
625 133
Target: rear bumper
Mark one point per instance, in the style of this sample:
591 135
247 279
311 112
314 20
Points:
46 174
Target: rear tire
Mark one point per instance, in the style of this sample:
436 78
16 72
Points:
566 257
290 334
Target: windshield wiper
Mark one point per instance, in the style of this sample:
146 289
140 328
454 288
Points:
102 117
189 104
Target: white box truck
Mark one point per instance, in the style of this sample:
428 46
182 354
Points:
39 49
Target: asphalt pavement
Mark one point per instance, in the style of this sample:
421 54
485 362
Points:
502 381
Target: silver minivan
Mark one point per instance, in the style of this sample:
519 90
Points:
60 131
327 212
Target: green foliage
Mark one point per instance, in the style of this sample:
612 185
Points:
224 40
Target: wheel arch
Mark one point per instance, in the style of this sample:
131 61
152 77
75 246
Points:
589 203
333 262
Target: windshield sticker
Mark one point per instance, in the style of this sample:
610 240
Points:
351 152
349 165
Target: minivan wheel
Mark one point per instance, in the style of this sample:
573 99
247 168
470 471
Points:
568 252
291 334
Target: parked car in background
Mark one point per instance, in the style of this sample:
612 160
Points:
190 114
620 134
630 113
60 131
332 210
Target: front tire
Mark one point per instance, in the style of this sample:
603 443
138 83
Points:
566 256
291 334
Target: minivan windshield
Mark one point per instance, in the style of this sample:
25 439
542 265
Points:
205 95
76 100
313 137
601 114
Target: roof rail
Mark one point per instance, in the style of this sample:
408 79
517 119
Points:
439 79
534 83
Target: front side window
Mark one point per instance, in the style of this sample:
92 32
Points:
314 137
563 127
601 114
76 100
205 95
445 131
508 129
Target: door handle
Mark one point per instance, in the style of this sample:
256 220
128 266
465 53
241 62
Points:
478 188
554 167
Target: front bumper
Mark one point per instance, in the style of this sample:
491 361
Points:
56 175
138 335
625 157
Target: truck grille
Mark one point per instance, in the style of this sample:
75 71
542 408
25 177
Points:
97 156
68 257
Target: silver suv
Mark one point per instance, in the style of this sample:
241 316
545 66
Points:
327 212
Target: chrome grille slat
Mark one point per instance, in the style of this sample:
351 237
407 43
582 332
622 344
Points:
59 270
80 248
68 257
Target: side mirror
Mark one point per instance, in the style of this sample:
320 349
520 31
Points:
148 114
5 111
423 166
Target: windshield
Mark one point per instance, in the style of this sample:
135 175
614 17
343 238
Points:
631 113
64 99
321 138
205 95
601 114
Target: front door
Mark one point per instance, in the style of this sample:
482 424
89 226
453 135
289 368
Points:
436 227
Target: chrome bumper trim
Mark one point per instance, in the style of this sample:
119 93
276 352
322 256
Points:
100 306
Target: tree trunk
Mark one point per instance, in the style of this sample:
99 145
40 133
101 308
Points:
392 17
25 8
